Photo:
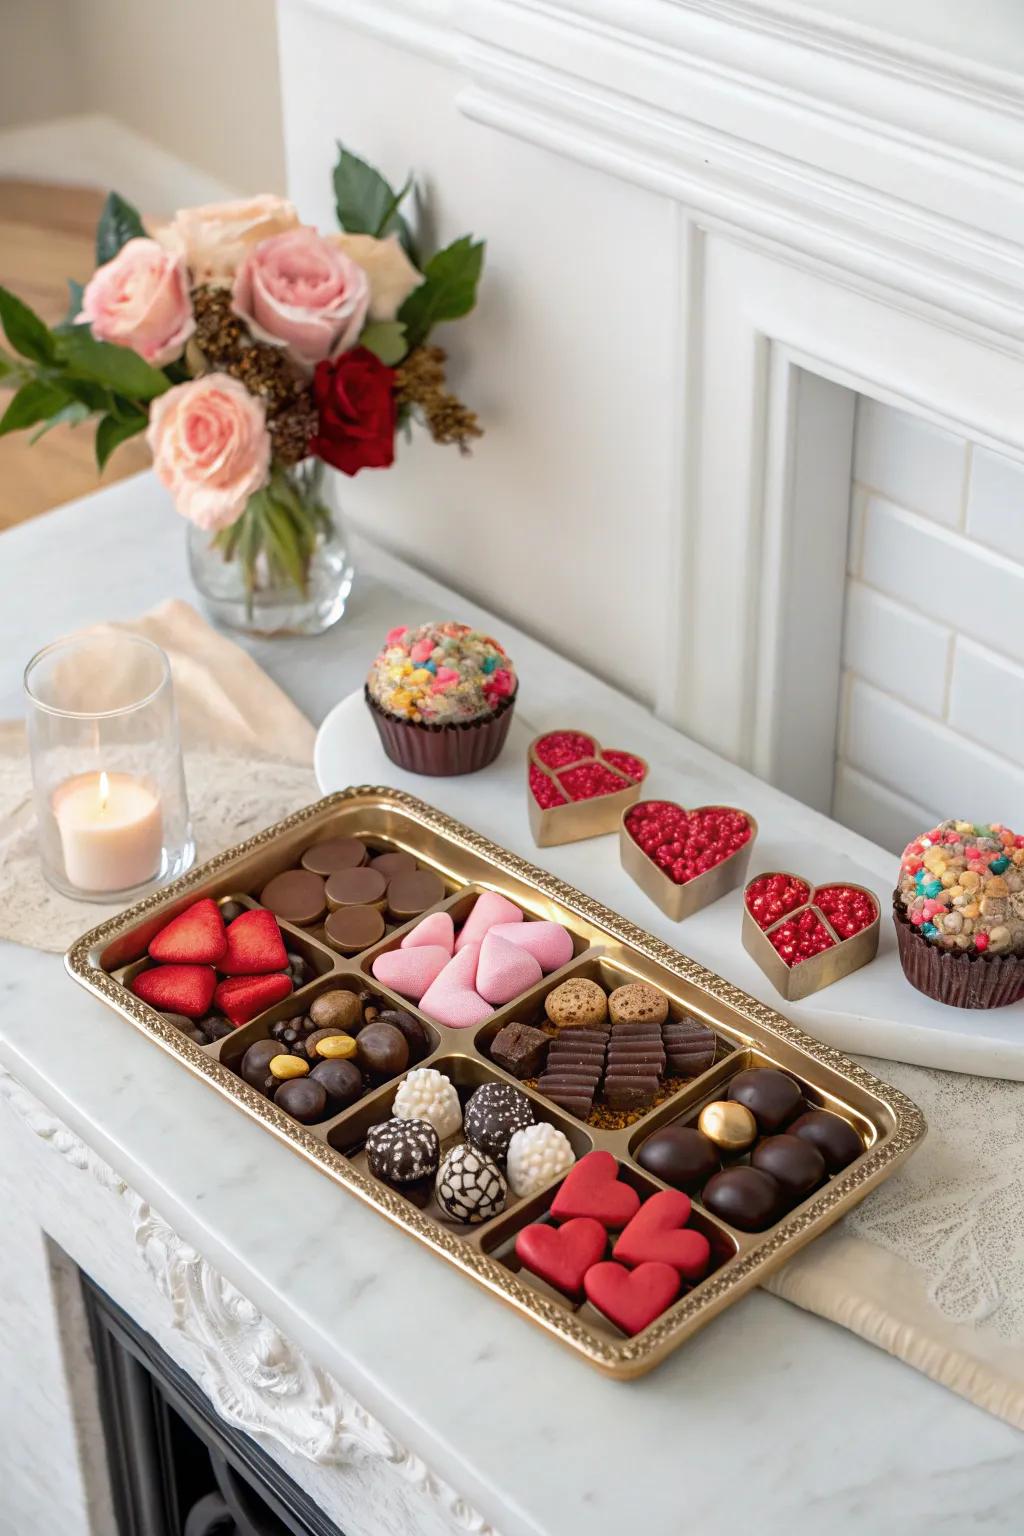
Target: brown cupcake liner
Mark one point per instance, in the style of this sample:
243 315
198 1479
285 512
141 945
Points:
442 750
956 977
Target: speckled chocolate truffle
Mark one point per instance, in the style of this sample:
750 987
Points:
493 1114
638 1003
402 1151
470 1186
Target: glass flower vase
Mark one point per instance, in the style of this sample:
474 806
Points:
285 567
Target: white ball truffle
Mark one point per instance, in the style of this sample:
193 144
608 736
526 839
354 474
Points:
537 1155
429 1095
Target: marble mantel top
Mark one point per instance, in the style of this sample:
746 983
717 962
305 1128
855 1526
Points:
808 1425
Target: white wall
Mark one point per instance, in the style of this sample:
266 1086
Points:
932 721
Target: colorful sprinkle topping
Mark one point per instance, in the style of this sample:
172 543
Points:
962 887
441 674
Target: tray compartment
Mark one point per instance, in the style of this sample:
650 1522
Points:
752 1034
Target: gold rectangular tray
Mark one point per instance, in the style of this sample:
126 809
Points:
607 947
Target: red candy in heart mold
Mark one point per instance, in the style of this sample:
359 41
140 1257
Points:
685 859
592 1187
658 1233
562 1255
804 937
578 789
632 1298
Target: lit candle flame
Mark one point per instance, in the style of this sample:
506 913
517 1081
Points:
104 791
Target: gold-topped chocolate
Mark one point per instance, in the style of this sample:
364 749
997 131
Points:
729 1125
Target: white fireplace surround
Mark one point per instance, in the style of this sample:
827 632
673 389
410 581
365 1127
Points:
784 207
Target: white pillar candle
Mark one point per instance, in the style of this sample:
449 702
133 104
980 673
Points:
111 831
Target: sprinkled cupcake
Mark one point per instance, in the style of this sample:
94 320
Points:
959 912
442 696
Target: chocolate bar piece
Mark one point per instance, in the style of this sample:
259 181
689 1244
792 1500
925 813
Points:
630 1092
690 1047
520 1049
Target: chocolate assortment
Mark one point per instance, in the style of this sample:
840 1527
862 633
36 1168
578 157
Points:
370 1083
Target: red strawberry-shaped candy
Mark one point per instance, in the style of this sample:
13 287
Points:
593 1188
632 1298
658 1234
186 989
254 946
562 1255
195 937
241 998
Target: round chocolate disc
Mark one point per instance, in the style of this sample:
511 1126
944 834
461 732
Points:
392 864
409 895
303 1099
350 929
771 1096
834 1137
335 853
356 888
342 1081
296 896
383 1050
681 1156
747 1198
797 1164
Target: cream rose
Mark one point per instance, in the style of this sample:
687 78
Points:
141 300
215 238
300 291
211 448
392 275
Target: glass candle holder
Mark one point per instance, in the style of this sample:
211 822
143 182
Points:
109 784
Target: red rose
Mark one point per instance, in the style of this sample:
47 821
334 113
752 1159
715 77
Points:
355 401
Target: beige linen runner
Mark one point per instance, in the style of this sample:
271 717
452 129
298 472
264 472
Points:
930 1267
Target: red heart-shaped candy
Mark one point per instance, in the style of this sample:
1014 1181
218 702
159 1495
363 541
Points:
631 1298
658 1233
562 1255
186 989
255 945
592 1187
195 937
241 998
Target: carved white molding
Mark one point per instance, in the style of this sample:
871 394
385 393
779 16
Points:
255 1377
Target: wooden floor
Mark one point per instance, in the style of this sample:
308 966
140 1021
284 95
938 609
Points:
46 237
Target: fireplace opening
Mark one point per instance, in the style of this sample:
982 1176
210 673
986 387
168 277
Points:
176 1468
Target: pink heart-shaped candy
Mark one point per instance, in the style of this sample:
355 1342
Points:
452 997
549 943
488 909
503 971
411 971
438 928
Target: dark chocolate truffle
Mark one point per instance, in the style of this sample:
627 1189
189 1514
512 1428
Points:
797 1165
772 1096
336 1009
256 1063
746 1198
414 1030
303 1099
834 1137
493 1114
383 1050
401 1151
681 1156
342 1081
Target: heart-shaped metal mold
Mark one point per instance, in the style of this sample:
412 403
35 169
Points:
675 880
576 788
778 906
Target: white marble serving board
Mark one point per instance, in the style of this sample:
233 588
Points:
874 1011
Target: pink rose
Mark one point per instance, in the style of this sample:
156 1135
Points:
141 300
215 238
211 448
300 291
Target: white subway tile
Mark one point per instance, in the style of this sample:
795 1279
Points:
929 761
995 505
897 649
987 700
869 808
910 461
946 576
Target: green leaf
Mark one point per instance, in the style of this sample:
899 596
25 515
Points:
386 340
112 432
366 204
449 291
75 292
74 412
25 331
119 368
8 366
119 223
35 401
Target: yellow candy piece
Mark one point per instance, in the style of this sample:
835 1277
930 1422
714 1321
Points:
335 1047
284 1067
421 675
949 878
400 700
964 826
970 879
955 892
997 887
971 910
